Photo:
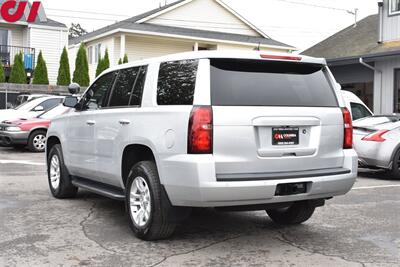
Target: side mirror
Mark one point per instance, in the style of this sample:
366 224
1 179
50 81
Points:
70 101
74 88
39 108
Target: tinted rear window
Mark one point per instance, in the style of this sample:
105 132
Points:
270 83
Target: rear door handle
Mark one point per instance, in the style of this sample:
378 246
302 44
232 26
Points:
90 123
124 122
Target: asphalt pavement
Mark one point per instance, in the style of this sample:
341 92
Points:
359 229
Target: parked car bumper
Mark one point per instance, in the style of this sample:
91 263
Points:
13 138
374 154
191 181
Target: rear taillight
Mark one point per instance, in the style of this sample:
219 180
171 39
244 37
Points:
376 136
348 129
200 134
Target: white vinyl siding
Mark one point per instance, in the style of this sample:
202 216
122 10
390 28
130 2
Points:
51 42
204 15
383 94
391 23
138 48
103 44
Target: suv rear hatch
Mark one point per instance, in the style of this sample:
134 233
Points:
274 117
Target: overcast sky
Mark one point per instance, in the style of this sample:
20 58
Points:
288 21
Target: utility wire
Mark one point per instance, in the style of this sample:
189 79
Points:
313 5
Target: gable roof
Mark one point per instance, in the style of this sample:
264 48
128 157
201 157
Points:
138 23
355 42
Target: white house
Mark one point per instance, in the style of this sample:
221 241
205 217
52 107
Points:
184 25
44 35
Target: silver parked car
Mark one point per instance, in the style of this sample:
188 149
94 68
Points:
234 130
377 142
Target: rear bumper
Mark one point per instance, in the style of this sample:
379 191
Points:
374 154
191 181
13 138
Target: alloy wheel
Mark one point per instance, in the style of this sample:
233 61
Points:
55 172
140 202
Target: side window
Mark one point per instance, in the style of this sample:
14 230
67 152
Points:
137 93
176 82
359 111
123 87
51 103
96 96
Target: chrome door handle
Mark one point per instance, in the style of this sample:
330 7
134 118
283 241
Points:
90 123
124 122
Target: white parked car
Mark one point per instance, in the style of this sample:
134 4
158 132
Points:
356 106
377 142
234 130
31 108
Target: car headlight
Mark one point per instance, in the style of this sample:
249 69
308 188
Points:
13 129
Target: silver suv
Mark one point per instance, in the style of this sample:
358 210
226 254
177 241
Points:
230 130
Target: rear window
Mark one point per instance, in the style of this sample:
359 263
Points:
359 111
176 82
270 83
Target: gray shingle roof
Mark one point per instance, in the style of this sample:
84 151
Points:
130 24
354 42
51 23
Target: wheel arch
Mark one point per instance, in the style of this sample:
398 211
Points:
50 142
133 154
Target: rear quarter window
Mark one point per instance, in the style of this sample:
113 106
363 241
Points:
270 83
177 82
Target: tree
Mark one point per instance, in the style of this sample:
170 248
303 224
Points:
99 68
76 30
18 74
120 62
40 76
81 73
64 75
2 76
126 60
103 64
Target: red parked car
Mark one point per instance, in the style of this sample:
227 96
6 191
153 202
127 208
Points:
29 132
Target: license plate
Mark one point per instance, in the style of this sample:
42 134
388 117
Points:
285 136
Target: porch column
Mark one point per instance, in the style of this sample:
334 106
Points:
196 46
123 46
111 52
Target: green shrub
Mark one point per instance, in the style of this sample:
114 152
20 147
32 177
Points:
81 73
18 74
2 76
99 68
126 60
40 76
64 75
103 64
120 62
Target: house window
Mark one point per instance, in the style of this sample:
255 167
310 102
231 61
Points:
394 6
396 91
3 37
97 53
90 54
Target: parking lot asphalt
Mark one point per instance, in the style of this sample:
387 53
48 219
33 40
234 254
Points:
359 229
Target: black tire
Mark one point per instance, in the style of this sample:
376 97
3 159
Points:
297 213
395 171
35 145
158 226
64 189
